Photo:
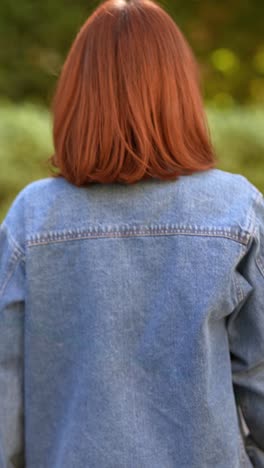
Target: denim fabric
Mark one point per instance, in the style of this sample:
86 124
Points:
132 325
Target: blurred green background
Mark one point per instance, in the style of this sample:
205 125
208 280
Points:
227 39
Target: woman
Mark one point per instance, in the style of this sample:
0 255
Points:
132 279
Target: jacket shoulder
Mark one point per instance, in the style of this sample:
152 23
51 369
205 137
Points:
218 180
44 187
31 200
221 199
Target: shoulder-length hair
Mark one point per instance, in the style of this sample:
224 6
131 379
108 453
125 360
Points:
127 104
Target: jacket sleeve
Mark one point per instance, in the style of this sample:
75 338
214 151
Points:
246 339
11 351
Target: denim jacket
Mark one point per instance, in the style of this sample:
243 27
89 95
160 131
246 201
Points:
132 325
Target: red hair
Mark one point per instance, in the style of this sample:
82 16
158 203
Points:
127 104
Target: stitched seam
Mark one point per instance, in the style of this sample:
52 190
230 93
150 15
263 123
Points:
257 196
259 262
17 250
16 255
13 262
240 293
61 237
260 266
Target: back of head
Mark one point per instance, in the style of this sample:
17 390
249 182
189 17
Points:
128 105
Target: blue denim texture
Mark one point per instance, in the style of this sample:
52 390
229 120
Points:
132 325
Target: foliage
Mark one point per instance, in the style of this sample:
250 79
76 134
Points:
227 38
26 144
238 138
25 135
